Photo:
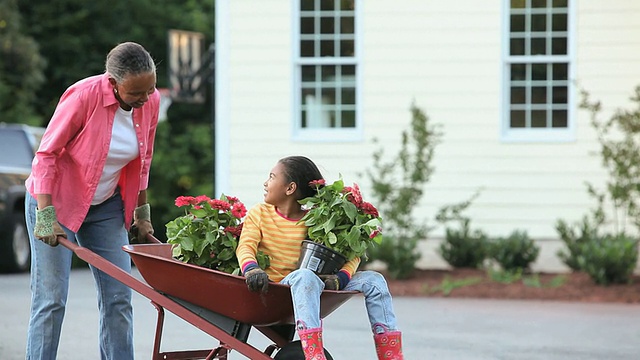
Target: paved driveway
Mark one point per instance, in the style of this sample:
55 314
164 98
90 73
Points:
456 329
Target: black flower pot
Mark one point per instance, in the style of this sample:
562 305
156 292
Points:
319 258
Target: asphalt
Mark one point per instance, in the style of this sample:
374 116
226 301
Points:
456 329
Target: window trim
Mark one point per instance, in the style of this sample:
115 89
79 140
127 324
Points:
550 135
325 134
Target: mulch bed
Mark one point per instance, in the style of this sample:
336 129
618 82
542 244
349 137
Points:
473 283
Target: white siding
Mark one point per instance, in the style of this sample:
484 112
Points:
445 56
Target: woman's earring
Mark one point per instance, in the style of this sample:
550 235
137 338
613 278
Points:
115 90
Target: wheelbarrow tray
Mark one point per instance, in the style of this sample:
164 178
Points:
220 292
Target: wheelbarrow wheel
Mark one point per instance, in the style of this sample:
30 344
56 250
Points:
293 351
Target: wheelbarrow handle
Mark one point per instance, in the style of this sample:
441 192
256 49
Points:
147 291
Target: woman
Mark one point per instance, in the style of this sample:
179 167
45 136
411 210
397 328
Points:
273 227
88 181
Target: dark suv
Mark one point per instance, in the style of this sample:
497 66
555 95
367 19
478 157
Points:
18 144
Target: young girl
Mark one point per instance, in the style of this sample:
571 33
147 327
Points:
273 228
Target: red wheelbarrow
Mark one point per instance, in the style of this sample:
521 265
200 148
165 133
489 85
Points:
215 302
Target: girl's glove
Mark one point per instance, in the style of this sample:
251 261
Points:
331 282
142 222
47 228
257 279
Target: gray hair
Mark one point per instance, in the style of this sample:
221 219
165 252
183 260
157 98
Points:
128 58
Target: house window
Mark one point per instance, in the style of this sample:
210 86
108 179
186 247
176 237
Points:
326 70
537 71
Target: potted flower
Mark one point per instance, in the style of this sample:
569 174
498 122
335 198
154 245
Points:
340 220
207 235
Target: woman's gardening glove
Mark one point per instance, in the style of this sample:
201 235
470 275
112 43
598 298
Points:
142 222
47 227
256 278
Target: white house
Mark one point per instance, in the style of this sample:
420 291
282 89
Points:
322 78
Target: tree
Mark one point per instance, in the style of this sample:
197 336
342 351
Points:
21 68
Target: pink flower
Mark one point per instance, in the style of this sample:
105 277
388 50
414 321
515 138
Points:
353 195
234 230
239 210
185 200
232 199
317 183
201 198
375 233
219 205
368 208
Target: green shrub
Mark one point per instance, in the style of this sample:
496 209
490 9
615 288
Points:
464 248
398 186
610 259
575 236
515 252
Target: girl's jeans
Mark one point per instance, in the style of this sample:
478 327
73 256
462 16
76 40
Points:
306 288
102 232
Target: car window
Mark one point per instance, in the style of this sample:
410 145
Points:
15 148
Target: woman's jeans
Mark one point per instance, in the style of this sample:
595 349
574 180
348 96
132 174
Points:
102 232
306 288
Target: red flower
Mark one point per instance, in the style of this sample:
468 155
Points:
232 199
239 210
353 195
201 198
219 204
368 208
317 183
234 230
185 200
375 233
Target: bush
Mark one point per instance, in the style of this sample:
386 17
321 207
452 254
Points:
574 237
463 248
515 252
610 259
398 186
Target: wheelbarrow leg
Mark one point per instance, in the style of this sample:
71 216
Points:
159 326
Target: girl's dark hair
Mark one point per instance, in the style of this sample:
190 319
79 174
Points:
301 170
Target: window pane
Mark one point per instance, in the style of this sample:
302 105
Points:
306 48
538 118
327 25
327 4
559 119
559 3
518 72
518 95
347 48
538 95
347 4
349 70
347 25
517 47
560 95
559 22
327 48
328 96
538 46
307 5
538 3
517 23
559 46
539 22
349 96
348 119
560 71
307 25
539 72
517 119
308 73
518 4
328 73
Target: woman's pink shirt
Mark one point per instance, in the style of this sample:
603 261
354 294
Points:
74 149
